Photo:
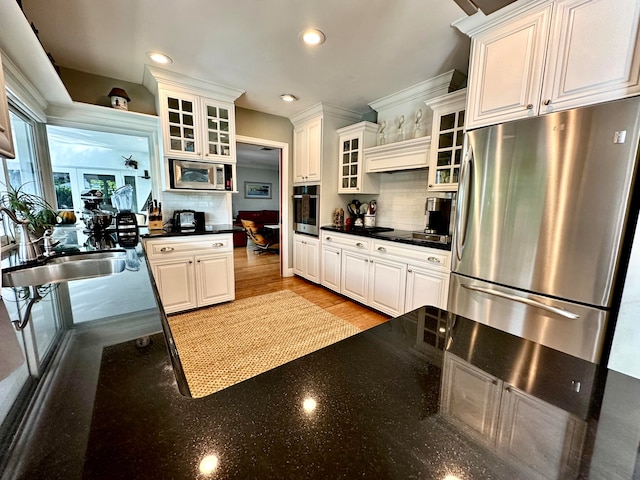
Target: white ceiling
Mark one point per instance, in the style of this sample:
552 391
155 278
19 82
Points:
374 47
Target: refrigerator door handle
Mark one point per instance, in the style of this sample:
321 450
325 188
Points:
527 301
462 206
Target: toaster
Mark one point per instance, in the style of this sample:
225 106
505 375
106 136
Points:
188 220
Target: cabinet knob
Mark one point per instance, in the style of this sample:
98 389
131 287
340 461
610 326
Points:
359 244
166 249
409 270
218 244
190 261
430 185
433 260
530 106
495 382
382 249
328 239
198 261
509 389
547 101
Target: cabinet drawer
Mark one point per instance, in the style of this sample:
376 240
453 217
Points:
416 255
156 249
352 242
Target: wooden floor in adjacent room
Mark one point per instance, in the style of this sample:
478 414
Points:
259 274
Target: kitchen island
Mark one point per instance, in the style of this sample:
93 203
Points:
385 403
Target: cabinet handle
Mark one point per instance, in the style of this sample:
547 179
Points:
530 106
328 239
366 260
547 101
433 259
508 389
198 261
190 261
2 129
430 185
359 245
218 244
166 249
495 382
382 249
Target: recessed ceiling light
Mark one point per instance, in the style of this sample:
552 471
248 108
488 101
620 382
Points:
159 57
312 36
287 97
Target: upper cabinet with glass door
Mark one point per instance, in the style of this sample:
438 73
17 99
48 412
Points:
447 142
351 176
197 127
197 117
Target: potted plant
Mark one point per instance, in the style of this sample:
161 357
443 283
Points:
27 206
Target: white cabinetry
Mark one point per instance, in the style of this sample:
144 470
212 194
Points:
307 151
192 271
445 155
306 257
550 56
353 140
391 277
197 127
405 155
542 440
6 141
426 286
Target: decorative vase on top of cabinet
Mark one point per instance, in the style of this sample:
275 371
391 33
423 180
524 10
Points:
547 56
352 141
447 140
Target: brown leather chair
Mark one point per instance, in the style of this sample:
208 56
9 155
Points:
264 240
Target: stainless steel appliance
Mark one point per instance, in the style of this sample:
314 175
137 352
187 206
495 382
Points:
191 175
306 209
97 220
126 220
438 212
188 221
542 211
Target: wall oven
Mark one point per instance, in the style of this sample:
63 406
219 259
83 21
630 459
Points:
306 209
200 175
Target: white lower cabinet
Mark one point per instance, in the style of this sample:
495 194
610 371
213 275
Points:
391 277
538 438
355 275
306 257
331 268
387 286
193 271
426 287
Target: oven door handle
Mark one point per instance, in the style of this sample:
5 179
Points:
310 196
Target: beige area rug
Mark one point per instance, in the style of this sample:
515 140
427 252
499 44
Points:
226 344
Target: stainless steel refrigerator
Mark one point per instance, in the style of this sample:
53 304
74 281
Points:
541 216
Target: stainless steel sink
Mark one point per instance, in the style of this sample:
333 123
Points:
66 268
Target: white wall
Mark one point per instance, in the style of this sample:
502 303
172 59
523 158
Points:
245 174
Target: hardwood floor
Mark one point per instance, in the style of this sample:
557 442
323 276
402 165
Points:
260 274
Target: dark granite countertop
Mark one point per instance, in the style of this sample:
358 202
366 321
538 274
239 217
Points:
383 410
210 230
399 236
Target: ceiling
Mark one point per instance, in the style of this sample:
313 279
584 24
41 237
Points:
373 48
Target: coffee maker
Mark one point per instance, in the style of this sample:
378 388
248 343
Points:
126 221
96 220
438 211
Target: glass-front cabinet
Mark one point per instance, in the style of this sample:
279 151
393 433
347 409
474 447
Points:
447 144
351 176
197 127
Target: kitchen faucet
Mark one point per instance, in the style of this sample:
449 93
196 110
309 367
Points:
28 250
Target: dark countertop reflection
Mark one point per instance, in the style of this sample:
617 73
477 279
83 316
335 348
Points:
382 407
210 230
392 235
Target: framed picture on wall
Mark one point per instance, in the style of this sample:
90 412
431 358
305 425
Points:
257 190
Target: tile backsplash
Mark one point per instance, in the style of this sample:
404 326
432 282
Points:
402 199
216 207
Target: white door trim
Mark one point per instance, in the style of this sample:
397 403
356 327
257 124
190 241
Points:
286 262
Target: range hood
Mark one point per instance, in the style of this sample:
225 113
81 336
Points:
487 6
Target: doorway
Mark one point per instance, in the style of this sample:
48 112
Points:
266 162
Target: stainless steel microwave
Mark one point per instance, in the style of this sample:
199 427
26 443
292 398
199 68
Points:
193 175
